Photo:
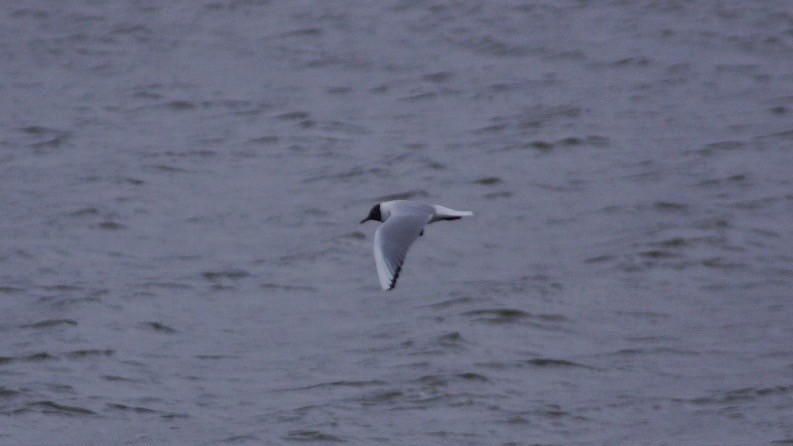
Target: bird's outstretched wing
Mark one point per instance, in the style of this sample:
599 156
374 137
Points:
391 242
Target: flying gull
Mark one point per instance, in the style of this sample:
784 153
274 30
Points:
403 222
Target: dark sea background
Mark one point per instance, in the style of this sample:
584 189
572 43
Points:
181 261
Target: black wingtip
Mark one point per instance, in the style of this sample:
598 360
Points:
394 279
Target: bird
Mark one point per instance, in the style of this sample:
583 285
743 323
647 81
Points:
403 222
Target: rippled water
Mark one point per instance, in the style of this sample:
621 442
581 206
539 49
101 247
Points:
180 186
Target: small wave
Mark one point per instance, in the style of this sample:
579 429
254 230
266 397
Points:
51 407
167 285
600 259
267 140
433 381
41 356
488 181
241 439
111 225
158 326
341 383
744 394
720 263
312 435
5 392
669 206
286 287
179 105
380 397
554 363
116 378
471 376
451 302
48 323
79 354
294 116
498 315
230 274
46 356
655 351
136 409
453 339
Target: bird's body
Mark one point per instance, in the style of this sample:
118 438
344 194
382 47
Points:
403 222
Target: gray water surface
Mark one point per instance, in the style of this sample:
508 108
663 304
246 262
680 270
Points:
180 186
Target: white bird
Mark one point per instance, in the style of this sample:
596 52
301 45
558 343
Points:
403 222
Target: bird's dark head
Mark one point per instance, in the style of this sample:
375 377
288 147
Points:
374 214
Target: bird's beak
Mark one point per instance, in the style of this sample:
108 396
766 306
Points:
364 220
